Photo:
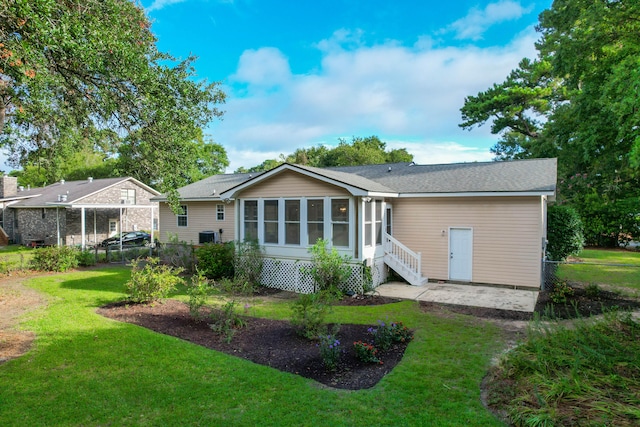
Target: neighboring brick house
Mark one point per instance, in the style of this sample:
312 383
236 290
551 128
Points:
75 212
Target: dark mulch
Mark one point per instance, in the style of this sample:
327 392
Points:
580 304
268 342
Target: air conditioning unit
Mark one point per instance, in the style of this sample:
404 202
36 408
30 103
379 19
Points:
126 202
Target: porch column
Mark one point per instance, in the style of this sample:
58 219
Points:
83 227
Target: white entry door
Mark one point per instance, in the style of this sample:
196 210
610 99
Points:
460 253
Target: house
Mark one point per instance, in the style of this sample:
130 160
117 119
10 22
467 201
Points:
75 212
466 222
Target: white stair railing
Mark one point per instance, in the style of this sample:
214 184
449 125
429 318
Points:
402 254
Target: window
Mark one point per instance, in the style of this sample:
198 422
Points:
378 222
271 221
315 220
292 222
220 212
367 223
128 196
340 222
251 220
155 224
182 216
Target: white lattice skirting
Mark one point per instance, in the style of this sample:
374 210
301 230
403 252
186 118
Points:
292 275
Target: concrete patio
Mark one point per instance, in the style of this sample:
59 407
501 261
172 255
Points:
468 295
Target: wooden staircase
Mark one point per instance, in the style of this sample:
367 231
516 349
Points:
404 261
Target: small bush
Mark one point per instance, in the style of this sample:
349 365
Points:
388 333
561 290
215 260
151 280
236 287
55 258
366 352
329 270
86 258
592 290
226 321
248 262
198 291
329 351
309 313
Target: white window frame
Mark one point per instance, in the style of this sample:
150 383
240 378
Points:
183 216
328 222
219 212
128 196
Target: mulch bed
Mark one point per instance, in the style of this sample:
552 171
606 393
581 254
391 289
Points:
273 343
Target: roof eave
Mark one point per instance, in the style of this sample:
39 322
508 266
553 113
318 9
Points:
549 193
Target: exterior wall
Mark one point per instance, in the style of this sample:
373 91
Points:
201 216
32 226
292 184
507 235
111 195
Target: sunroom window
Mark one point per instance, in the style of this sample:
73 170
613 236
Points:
315 220
340 222
271 221
378 222
292 222
251 220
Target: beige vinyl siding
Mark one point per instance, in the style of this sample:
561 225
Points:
292 184
201 216
507 235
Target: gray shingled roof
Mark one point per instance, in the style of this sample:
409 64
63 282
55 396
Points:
75 191
520 176
211 187
535 175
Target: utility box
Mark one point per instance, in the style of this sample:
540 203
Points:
208 237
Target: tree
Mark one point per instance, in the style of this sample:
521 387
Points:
71 71
564 232
577 101
361 151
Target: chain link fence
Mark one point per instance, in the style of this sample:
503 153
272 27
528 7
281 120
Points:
600 273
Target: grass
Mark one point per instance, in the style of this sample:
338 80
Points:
88 370
587 375
14 257
624 276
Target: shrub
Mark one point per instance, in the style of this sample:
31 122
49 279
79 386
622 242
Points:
309 313
55 258
366 352
215 260
198 291
248 261
592 290
236 287
564 232
387 333
329 270
561 290
86 258
151 280
226 321
329 351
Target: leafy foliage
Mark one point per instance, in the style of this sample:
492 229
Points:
248 263
329 269
215 260
330 350
151 280
573 102
86 74
86 258
55 258
366 352
564 232
360 151
309 314
226 320
198 290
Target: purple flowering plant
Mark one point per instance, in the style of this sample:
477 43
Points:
329 351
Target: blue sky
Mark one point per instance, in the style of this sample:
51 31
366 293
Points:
302 73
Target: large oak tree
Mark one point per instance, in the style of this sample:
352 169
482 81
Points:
86 74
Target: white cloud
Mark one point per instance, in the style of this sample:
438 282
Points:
478 21
393 91
161 4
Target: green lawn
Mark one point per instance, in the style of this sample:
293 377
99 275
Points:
14 257
624 275
88 370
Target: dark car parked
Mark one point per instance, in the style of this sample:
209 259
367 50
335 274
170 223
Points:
129 238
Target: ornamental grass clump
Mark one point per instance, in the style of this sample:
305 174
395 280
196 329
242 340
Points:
366 352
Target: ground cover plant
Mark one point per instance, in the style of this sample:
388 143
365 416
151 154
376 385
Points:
85 369
587 375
